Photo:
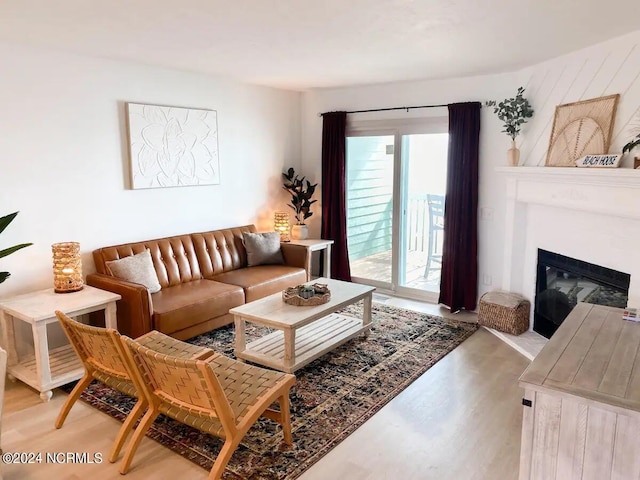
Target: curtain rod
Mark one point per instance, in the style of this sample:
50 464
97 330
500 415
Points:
391 108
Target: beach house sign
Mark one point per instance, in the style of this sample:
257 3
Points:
607 161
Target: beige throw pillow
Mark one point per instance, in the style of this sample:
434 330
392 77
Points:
262 248
137 268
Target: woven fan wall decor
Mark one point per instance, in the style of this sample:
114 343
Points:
581 128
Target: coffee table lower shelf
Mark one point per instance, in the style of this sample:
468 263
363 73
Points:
311 342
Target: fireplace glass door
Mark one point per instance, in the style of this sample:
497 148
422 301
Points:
562 282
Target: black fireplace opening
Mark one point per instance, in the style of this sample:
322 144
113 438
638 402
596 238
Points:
562 282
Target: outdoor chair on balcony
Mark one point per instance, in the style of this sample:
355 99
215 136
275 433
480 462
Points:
103 356
436 224
220 396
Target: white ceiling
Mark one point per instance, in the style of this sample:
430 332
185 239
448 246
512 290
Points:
302 44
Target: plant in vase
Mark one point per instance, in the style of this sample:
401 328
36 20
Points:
633 143
301 191
306 291
514 112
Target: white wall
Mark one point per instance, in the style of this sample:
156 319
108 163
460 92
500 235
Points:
493 144
64 158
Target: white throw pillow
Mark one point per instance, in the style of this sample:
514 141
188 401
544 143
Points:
137 268
262 248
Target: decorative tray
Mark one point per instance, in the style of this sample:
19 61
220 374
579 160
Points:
305 295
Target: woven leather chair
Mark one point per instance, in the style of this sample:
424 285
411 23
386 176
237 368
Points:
103 357
219 396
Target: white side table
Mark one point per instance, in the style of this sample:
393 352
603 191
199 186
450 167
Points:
47 369
315 245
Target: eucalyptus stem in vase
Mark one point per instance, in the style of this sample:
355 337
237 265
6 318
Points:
514 112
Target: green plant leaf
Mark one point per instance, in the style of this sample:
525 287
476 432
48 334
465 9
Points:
632 144
15 248
4 223
301 191
6 220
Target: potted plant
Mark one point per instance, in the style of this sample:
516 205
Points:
4 223
301 191
514 112
633 143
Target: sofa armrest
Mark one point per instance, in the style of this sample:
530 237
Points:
134 309
297 256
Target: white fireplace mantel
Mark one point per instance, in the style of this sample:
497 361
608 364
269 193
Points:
612 192
607 176
592 214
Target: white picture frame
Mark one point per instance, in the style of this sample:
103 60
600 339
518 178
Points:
172 146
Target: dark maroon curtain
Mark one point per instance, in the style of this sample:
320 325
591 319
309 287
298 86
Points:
334 211
459 281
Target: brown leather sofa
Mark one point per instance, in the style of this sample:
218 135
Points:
202 275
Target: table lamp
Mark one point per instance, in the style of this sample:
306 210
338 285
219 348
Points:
67 267
281 225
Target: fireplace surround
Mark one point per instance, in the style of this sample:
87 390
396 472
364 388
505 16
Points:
583 213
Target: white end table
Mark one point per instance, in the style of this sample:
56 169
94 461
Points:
315 245
47 369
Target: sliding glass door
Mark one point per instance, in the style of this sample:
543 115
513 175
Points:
370 193
423 185
396 182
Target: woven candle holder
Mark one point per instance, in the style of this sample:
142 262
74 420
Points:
281 225
67 267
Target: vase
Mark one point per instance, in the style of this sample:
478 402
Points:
299 232
513 155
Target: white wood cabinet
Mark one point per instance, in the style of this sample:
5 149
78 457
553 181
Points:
584 390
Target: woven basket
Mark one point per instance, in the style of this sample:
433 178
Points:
291 297
504 311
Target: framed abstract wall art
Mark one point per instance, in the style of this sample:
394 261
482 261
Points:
172 146
581 128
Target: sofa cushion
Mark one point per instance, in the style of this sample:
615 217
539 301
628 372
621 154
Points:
263 280
137 268
262 248
181 306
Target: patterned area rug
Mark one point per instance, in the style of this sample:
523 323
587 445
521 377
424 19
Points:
333 396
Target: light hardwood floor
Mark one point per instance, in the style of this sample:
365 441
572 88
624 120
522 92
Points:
460 420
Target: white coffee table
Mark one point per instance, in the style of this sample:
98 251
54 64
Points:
302 333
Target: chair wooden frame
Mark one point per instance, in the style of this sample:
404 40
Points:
3 374
220 396
105 359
